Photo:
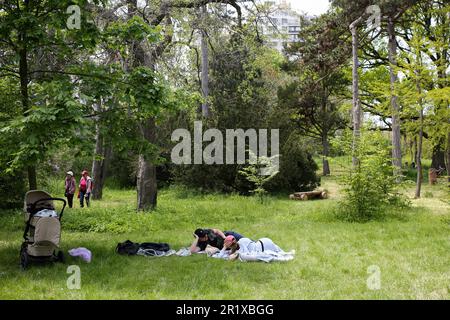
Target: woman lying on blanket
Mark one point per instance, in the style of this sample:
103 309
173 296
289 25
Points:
248 246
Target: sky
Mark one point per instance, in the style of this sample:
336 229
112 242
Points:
312 7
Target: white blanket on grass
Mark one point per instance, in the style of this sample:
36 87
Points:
154 253
184 252
265 256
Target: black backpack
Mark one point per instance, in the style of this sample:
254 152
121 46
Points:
127 248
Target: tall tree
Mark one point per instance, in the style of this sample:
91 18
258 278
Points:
29 39
205 63
356 107
396 135
321 87
146 182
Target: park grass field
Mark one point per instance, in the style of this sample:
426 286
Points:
411 250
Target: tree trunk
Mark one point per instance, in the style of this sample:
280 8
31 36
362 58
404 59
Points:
146 173
99 175
205 69
32 180
396 136
146 176
419 145
355 90
23 74
411 150
405 144
326 152
102 157
419 157
438 157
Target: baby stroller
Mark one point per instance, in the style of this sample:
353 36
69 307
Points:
42 230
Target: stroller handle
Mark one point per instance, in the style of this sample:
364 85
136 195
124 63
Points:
32 213
33 205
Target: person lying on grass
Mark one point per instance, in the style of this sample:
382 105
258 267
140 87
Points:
248 246
212 237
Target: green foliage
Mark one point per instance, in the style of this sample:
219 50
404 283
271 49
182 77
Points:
297 168
370 188
12 189
54 114
244 78
318 63
259 173
119 34
38 48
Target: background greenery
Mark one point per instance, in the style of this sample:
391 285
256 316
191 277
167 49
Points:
332 256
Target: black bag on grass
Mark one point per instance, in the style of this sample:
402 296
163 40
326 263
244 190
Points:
154 246
127 248
131 248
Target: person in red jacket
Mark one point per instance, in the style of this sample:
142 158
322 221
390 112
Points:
70 188
85 188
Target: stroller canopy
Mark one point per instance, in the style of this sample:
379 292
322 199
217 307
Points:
35 195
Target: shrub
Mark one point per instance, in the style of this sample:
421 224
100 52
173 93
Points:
297 172
254 174
370 187
297 169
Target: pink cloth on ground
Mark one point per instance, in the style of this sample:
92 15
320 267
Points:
84 253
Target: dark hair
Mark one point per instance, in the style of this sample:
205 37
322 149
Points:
200 233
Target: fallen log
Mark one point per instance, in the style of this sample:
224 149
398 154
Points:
320 194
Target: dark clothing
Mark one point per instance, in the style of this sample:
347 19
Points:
213 240
216 241
236 235
150 248
70 185
82 196
70 190
70 199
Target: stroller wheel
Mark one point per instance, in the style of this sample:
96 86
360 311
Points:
60 257
24 260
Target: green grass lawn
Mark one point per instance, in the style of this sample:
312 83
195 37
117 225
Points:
411 250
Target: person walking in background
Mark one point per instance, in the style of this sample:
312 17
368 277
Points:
85 188
70 188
